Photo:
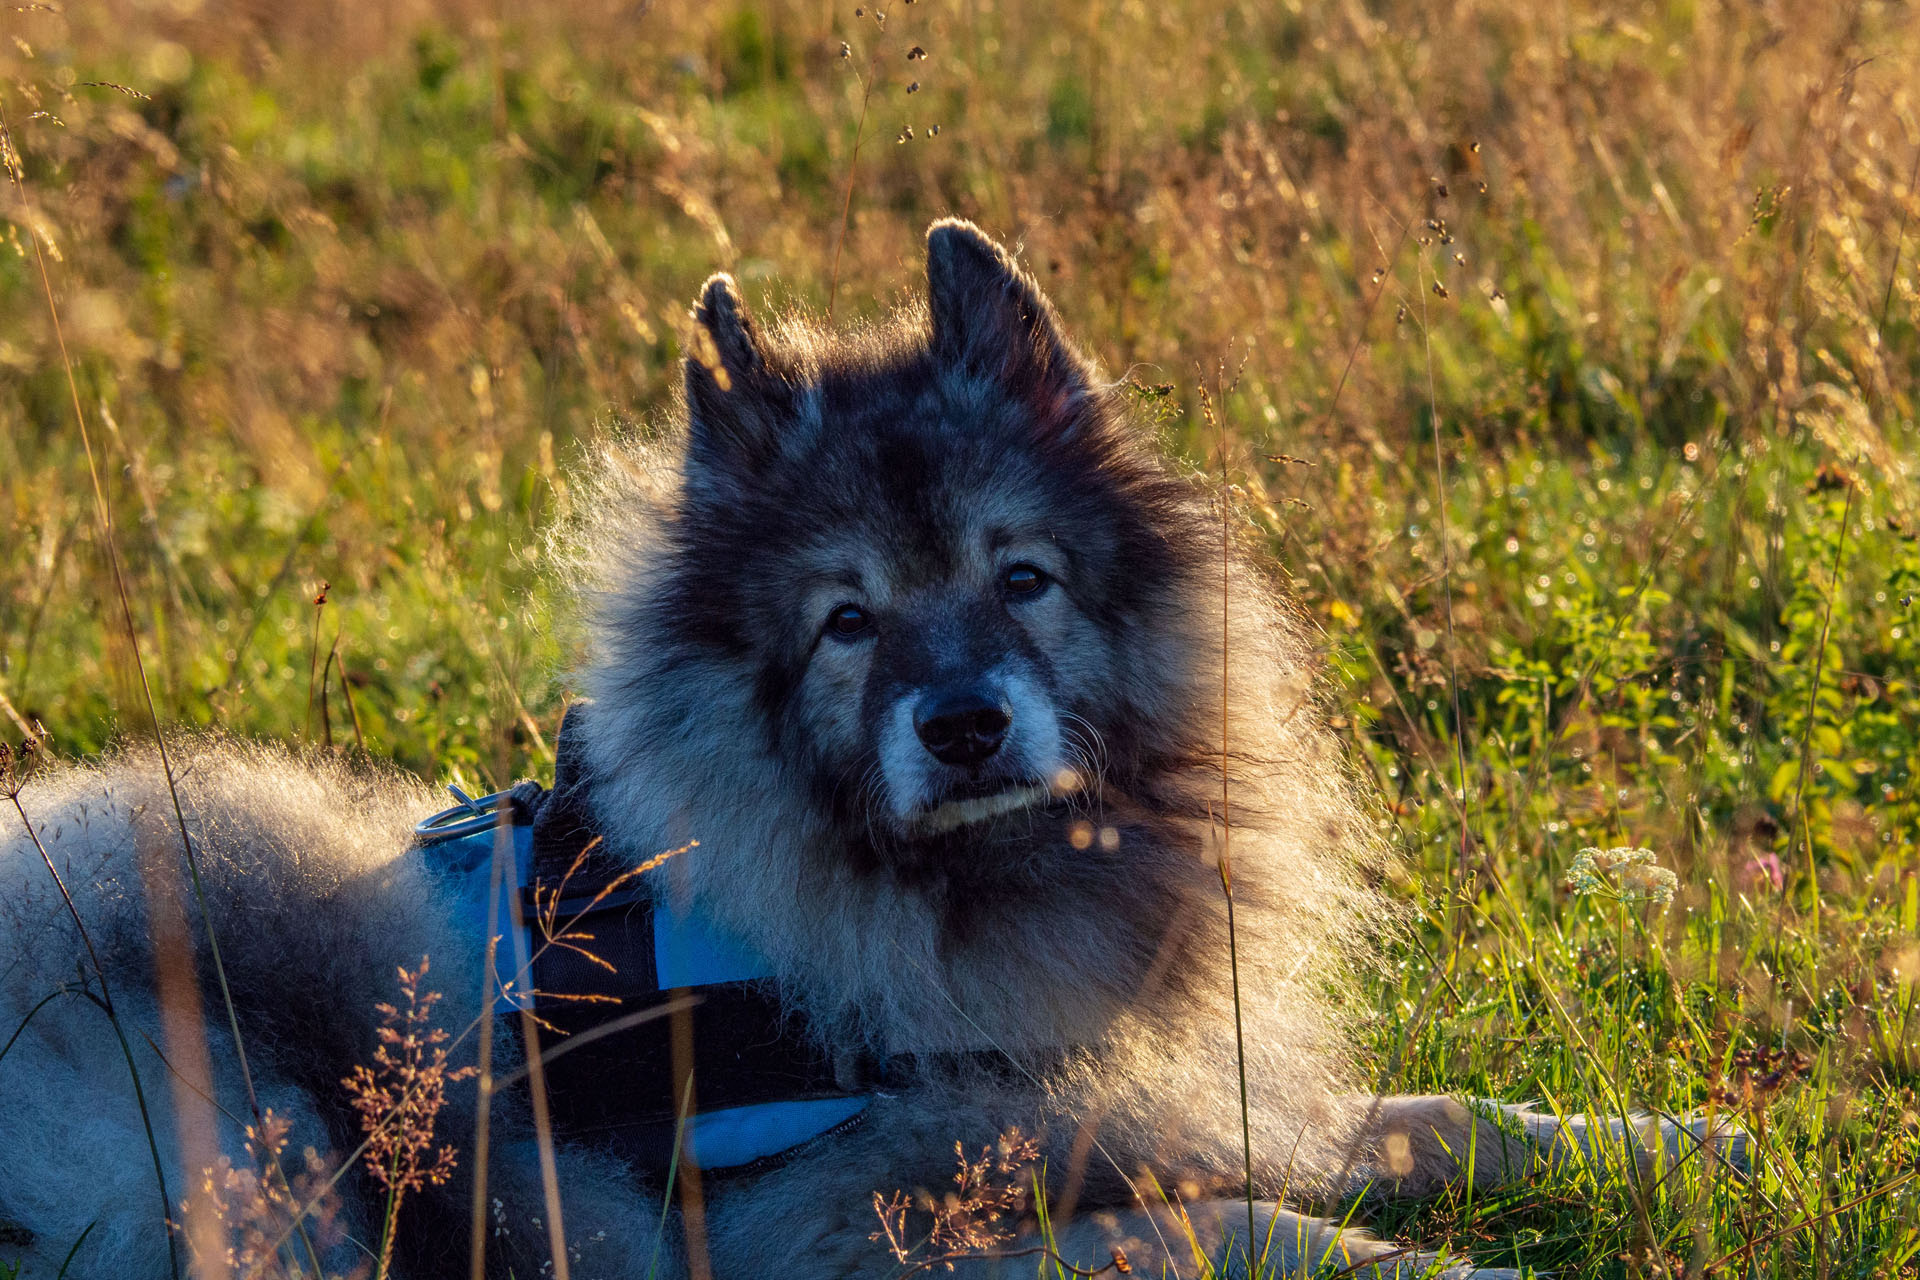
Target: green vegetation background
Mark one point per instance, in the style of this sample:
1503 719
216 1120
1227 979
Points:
1567 355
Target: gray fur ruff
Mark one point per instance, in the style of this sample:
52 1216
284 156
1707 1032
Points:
1102 970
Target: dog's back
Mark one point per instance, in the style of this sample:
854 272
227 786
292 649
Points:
301 871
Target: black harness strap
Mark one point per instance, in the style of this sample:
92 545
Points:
618 1088
596 984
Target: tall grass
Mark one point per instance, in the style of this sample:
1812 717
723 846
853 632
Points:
349 293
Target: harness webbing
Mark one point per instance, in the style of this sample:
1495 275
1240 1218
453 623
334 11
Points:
761 1086
620 1086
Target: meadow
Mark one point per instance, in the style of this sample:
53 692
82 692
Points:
1566 356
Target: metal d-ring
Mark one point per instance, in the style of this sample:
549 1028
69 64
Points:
469 817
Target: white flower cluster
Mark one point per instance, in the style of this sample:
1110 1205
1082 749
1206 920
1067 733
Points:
1629 874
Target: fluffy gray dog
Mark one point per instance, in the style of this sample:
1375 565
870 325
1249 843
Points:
927 648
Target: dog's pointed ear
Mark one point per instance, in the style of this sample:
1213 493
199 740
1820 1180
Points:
990 319
736 405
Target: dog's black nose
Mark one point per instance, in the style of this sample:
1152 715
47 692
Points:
962 728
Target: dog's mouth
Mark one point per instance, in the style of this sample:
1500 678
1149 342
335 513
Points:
979 802
964 812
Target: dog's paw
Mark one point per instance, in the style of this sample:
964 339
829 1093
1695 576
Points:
1690 1136
1657 1140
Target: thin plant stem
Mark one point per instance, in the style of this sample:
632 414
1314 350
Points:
326 691
353 712
113 1020
103 512
1226 820
853 169
20 1030
673 1168
1456 921
1620 993
392 1220
542 1120
483 1108
1893 276
1813 708
313 658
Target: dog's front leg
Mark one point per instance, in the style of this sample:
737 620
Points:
1657 1142
1416 1144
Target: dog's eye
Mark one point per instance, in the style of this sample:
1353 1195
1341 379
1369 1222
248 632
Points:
847 621
1024 580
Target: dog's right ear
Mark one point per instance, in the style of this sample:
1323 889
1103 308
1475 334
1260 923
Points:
736 405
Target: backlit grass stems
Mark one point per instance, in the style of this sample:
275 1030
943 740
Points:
12 779
173 948
1218 424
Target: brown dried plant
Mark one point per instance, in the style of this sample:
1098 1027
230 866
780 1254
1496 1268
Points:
399 1098
977 1217
258 1210
567 933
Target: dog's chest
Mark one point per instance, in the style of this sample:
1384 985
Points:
659 1032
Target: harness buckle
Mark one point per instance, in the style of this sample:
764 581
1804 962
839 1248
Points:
469 817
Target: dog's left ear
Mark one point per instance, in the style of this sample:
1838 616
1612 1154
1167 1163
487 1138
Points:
990 319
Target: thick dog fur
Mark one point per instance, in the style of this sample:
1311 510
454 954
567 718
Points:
1061 903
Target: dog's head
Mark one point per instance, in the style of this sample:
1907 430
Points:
935 654
927 569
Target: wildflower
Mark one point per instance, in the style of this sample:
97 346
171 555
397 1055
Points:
257 1207
989 1194
1760 1075
1831 477
1627 873
399 1099
1764 869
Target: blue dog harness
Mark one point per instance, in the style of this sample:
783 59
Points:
760 1087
